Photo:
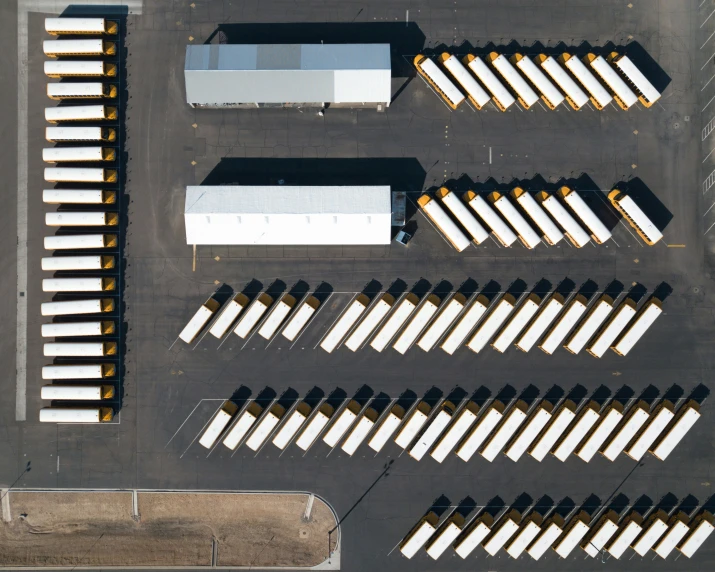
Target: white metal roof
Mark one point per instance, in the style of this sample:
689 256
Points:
288 215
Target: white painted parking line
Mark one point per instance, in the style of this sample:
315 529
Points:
708 230
707 82
706 19
709 182
708 155
707 62
701 3
707 104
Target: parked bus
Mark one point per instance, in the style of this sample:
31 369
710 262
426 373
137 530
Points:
243 425
600 534
77 26
277 316
647 93
683 422
374 317
253 315
474 534
79 349
77 154
622 94
315 426
77 241
484 427
635 216
559 423
300 319
445 537
416 420
598 95
229 315
76 68
552 97
62 134
499 228
549 230
530 431
419 535
573 231
575 96
265 427
659 420
85 371
627 534
77 392
551 530
677 531
500 95
393 324
81 218
78 284
590 325
599 233
577 529
466 324
463 421
80 113
654 528
199 320
78 329
609 421
635 419
517 323
91 262
701 528
564 324
417 324
491 324
76 414
509 426
527 532
474 91
615 325
437 425
444 321
292 425
523 229
439 81
644 320
346 321
503 531
543 320
92 90
79 175
447 227
218 424
79 196
462 214
387 428
360 432
585 421
69 307
91 47
527 96
342 423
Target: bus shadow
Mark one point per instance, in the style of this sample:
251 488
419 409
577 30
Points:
651 205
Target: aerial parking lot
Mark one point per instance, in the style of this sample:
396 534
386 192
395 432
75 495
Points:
197 407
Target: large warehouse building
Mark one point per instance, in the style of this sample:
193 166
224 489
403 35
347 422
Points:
252 75
285 215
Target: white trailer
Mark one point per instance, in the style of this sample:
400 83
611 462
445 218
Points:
527 96
73 134
465 325
416 420
373 318
590 324
292 425
573 231
446 226
253 315
89 90
78 284
549 230
265 427
446 535
315 426
438 80
79 196
78 329
76 414
551 530
531 430
500 229
517 323
552 97
625 537
644 320
419 535
657 423
492 323
387 428
574 94
523 229
700 530
84 47
676 533
300 319
635 419
463 421
435 428
346 321
564 325
360 432
609 420
481 431
218 424
524 537
69 307
601 534
549 311
587 418
561 420
76 68
462 214
77 154
79 349
79 175
474 534
685 419
77 392
395 322
81 218
447 316
624 96
277 316
417 324
78 241
342 423
199 320
89 371
615 325
647 93
76 26
243 425
509 426
599 96
635 216
598 230
573 535
503 531
500 95
228 316
654 528
474 91
91 262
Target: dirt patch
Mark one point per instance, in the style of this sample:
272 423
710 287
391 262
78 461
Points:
174 529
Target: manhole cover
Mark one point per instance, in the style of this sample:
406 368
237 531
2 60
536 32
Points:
303 533
696 289
676 125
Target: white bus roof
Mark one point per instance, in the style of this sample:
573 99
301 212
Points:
652 431
598 540
409 431
686 419
90 262
465 218
542 220
478 435
394 323
430 435
239 429
67 89
447 316
671 539
445 224
464 420
273 321
229 314
696 538
472 539
587 79
215 428
544 541
417 539
417 324
639 217
635 420
500 229
579 236
590 325
72 134
386 429
86 25
69 174
625 538
196 324
608 423
490 81
444 540
588 217
563 326
547 315
72 392
578 431
71 241
74 67
251 317
315 426
620 319
71 284
511 423
69 415
357 435
564 81
376 314
613 80
559 424
540 81
528 532
343 325
517 323
64 47
298 321
571 539
441 81
78 218
72 329
464 78
639 327
636 77
490 325
518 222
75 112
651 535
463 328
289 429
265 426
75 196
501 536
67 307
529 433
58 154
72 372
504 67
339 427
